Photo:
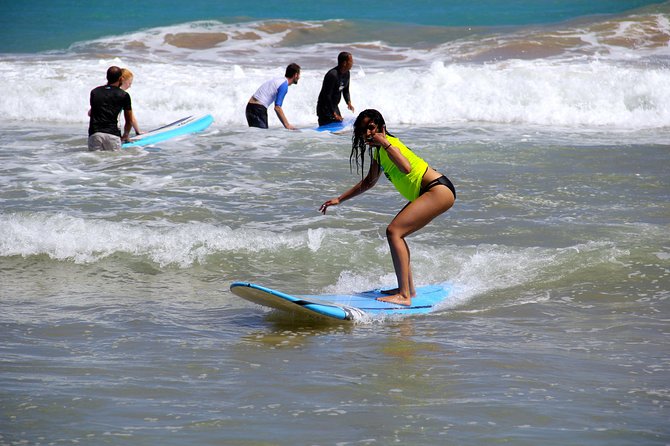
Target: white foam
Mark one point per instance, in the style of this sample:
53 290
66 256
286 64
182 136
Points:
84 240
475 271
594 94
593 83
486 268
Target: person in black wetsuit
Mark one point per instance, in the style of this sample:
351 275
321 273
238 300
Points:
335 85
107 101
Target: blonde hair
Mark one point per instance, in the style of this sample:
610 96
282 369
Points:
126 74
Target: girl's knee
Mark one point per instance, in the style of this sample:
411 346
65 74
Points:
393 232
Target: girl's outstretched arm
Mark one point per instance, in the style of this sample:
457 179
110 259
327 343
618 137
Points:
365 184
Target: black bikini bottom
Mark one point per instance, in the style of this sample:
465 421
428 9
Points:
442 180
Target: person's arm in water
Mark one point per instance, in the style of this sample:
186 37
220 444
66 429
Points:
347 98
130 123
279 101
365 184
282 118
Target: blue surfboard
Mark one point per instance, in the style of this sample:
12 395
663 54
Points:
335 127
344 307
184 126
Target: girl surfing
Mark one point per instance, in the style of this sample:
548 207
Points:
429 192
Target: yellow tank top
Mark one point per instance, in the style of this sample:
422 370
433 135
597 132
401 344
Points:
409 185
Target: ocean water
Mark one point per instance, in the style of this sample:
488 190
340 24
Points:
116 322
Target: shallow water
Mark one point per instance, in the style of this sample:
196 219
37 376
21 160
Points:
119 327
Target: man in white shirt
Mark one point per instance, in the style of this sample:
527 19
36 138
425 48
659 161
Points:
271 91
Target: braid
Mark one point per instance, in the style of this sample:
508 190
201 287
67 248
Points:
357 155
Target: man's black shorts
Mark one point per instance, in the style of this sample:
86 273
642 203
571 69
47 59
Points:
257 116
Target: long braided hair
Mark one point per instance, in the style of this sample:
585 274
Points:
359 145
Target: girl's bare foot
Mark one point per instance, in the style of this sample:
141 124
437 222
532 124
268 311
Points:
398 299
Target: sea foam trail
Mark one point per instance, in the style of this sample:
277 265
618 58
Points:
478 270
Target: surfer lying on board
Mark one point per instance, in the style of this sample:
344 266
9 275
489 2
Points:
430 193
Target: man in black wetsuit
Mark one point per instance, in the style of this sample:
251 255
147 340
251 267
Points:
107 101
335 85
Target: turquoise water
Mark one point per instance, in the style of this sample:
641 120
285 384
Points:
39 25
117 325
